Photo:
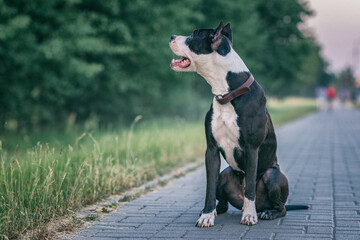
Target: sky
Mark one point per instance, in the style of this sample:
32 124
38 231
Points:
336 26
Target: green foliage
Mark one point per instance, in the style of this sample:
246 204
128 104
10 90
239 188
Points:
108 60
345 80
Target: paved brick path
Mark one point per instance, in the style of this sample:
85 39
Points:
320 155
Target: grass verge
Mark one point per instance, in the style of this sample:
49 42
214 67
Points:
41 183
288 109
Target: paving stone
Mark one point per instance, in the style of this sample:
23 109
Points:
124 234
320 156
151 226
287 236
140 219
346 236
171 233
311 229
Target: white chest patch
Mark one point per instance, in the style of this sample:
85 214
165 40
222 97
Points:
226 131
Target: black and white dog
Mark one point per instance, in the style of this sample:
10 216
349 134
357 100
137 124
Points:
238 126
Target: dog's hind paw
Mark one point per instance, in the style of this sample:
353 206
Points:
266 215
206 219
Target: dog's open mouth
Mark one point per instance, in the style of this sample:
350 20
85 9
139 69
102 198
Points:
183 62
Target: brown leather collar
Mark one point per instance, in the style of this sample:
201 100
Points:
245 88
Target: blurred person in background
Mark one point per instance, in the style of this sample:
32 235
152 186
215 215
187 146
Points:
344 96
331 95
321 98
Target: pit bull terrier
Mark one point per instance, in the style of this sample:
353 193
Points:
238 126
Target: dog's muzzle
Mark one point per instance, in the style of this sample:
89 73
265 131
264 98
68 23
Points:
183 62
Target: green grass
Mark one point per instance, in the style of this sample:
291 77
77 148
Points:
286 110
38 184
52 178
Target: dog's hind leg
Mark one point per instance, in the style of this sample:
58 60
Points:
223 204
221 196
230 189
277 190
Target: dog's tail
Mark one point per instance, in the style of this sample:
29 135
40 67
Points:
296 207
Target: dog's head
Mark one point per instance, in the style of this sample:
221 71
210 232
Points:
201 48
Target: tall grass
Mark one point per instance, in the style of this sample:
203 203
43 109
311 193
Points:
48 180
45 182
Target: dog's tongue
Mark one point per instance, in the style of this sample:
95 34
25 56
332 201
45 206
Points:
183 62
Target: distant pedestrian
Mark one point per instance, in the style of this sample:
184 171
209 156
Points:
331 95
344 95
321 98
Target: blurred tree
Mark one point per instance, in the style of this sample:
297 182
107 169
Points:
325 77
286 46
346 80
313 72
87 58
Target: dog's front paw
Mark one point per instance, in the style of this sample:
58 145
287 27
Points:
206 219
249 219
249 216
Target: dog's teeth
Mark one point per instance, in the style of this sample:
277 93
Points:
173 60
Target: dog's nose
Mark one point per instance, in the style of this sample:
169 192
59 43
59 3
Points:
172 37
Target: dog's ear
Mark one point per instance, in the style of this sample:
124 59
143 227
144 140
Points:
227 32
217 37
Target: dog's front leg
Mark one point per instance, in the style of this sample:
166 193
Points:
212 161
249 216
